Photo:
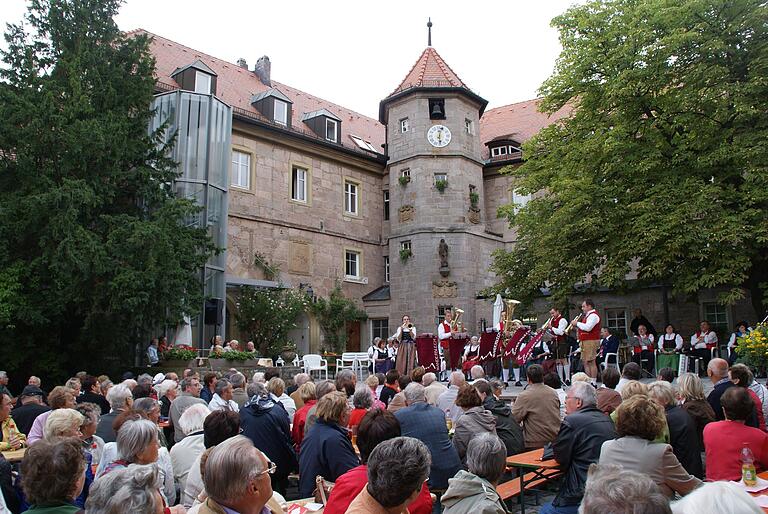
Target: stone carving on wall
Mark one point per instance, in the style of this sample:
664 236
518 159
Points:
445 289
442 252
474 215
406 213
299 257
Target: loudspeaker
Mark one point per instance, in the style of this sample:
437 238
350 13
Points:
214 311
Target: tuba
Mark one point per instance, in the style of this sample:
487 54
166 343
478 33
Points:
456 324
510 324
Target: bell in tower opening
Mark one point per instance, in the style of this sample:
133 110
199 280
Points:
436 109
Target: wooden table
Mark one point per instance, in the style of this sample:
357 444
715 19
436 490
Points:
764 476
15 455
530 461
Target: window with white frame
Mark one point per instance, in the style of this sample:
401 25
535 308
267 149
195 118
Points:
351 197
362 143
281 112
717 315
379 328
404 125
441 176
386 205
405 172
241 169
441 312
299 179
469 126
202 83
330 130
386 269
405 245
616 320
352 265
498 151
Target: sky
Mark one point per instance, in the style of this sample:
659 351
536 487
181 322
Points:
356 53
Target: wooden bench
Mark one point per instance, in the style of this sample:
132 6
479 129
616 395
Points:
511 489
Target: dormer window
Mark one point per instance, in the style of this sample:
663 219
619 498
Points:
324 123
281 112
274 105
498 151
202 83
362 143
504 148
330 130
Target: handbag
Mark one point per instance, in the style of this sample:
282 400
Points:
323 490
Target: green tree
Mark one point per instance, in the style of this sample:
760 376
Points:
267 315
662 162
93 251
333 314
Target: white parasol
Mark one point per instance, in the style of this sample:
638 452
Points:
184 332
498 306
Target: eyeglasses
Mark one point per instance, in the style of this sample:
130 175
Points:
271 468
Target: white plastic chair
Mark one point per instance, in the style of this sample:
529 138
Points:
347 361
314 362
606 362
362 361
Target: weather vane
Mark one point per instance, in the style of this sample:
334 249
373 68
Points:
429 32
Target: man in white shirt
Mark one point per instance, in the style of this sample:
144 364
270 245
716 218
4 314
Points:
447 401
444 334
222 397
589 337
703 341
432 388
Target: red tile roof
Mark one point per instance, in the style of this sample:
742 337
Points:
430 70
519 121
236 85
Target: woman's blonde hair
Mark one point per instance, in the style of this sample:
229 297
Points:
307 391
62 421
581 377
332 407
633 388
640 416
690 387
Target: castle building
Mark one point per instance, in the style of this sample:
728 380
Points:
401 211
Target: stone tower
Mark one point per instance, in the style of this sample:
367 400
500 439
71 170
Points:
436 193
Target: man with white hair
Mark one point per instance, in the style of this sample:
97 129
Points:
4 385
239 395
237 479
613 489
299 380
119 398
582 434
259 377
184 453
477 373
222 396
190 395
432 388
447 401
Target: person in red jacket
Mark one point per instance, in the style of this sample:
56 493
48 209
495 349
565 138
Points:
724 440
742 377
375 427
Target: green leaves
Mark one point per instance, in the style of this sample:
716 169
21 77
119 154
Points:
267 315
333 314
659 174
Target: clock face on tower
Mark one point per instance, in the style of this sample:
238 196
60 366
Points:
439 136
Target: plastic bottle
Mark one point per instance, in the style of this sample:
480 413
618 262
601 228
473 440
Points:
448 420
748 472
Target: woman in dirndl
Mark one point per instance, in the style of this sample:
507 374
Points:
670 345
379 355
471 355
406 350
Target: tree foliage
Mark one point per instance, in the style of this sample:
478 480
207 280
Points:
92 249
267 315
661 164
333 314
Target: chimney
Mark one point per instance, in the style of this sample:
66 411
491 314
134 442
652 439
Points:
262 70
242 63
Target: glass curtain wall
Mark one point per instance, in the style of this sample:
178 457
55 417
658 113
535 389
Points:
202 125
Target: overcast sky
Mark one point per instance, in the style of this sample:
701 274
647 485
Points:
356 53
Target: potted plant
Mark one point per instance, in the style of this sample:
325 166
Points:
232 359
288 353
441 184
404 179
405 254
181 356
474 198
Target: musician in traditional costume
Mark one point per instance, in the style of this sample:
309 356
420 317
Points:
703 341
742 330
557 326
670 344
444 333
471 355
379 356
406 349
588 327
643 349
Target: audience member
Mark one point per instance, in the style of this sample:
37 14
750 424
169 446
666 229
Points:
92 394
237 478
398 401
376 427
136 444
134 489
4 385
613 490
666 375
307 394
264 421
682 428
582 433
151 408
630 371
120 398
507 428
446 402
167 391
326 449
432 388
28 407
65 423
553 380
190 395
740 375
10 436
362 401
691 393
724 440
717 371
475 420
537 408
76 385
390 388
185 452
397 469
640 419
428 424
239 395
474 491
276 386
222 396
717 498
53 475
477 373
92 444
323 388
608 399
373 384
298 380
209 386
346 381
60 398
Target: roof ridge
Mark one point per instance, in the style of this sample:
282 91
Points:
186 46
516 103
443 64
418 60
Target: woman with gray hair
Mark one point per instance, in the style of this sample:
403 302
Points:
137 443
134 489
185 452
362 401
475 490
682 427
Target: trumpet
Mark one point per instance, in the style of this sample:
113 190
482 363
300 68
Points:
547 324
408 325
572 323
456 325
